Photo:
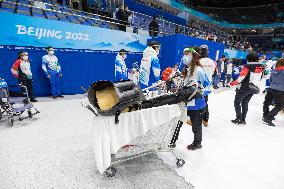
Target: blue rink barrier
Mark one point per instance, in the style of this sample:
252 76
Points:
79 67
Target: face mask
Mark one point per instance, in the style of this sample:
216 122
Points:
51 52
25 58
158 52
186 59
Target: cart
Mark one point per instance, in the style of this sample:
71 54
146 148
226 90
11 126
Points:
160 136
159 139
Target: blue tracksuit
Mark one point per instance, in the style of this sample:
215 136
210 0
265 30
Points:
120 72
200 76
150 68
51 67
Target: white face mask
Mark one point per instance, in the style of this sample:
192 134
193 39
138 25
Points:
25 58
186 59
51 52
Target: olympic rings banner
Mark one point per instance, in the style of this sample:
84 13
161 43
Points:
23 30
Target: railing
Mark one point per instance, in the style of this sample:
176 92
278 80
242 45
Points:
114 22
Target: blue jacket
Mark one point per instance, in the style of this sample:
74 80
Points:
277 79
120 72
50 65
200 76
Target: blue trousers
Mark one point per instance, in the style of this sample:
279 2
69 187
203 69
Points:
55 81
216 80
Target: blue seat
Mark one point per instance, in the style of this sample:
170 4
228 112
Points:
8 5
50 14
38 15
105 25
23 8
37 11
24 2
48 7
86 23
7 10
92 21
64 19
72 17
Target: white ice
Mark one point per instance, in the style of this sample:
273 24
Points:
233 157
55 149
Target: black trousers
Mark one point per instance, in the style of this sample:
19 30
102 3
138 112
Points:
241 102
267 102
196 121
206 110
278 97
29 84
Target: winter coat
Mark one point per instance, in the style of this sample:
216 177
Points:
150 60
267 73
277 79
22 70
200 76
251 73
120 72
229 67
208 65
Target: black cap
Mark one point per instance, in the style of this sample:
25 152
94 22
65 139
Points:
154 43
48 48
122 51
22 53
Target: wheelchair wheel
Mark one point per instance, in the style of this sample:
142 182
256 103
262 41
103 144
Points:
11 121
30 114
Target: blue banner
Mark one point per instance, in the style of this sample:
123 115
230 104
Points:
23 30
229 53
79 67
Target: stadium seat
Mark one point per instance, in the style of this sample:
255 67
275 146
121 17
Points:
64 19
38 15
86 23
7 10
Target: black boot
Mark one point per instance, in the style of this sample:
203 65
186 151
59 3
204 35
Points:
268 121
194 146
238 121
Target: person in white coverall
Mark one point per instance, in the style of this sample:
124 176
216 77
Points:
208 65
150 66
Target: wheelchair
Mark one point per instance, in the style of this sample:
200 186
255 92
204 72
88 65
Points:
14 104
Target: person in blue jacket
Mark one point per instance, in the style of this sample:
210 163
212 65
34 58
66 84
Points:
150 65
120 72
196 106
277 91
185 60
52 70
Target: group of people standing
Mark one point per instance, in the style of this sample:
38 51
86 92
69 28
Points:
22 71
196 65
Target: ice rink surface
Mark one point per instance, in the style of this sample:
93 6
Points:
54 150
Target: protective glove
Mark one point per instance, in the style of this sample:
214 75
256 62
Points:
234 83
